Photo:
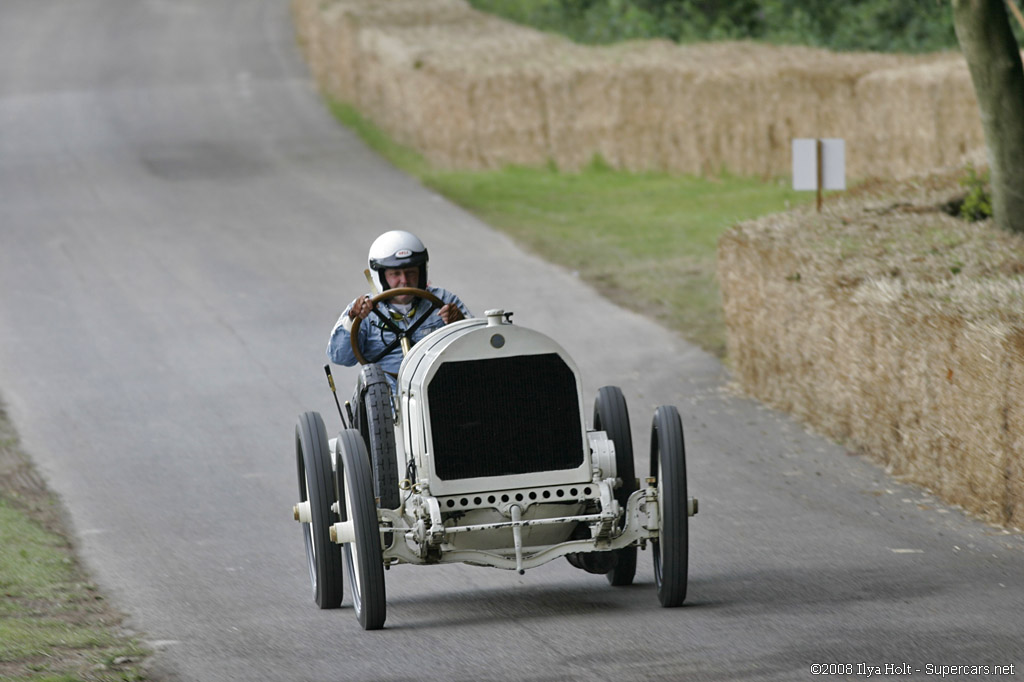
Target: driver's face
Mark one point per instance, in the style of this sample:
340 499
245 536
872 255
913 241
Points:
402 277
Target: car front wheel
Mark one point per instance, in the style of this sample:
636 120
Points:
363 559
668 466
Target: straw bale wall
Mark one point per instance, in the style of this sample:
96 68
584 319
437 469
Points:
469 90
894 354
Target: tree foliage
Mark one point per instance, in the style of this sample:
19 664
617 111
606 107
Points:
876 25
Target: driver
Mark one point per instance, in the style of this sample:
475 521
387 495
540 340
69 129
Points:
400 260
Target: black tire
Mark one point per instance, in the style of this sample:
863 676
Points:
612 417
363 560
668 467
378 430
316 484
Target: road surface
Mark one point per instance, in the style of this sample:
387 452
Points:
181 222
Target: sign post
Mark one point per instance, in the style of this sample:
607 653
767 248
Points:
819 164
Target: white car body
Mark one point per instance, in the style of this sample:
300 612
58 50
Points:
516 520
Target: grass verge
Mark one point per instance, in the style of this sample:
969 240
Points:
54 624
644 240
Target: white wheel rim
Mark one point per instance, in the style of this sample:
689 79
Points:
661 508
352 548
311 542
661 496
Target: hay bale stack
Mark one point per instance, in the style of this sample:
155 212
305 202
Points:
469 90
1015 426
917 116
892 326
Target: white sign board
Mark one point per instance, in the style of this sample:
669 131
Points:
805 164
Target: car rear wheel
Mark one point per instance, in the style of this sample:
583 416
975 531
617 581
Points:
612 417
668 466
363 560
316 486
380 440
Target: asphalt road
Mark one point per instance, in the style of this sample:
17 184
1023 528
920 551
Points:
181 222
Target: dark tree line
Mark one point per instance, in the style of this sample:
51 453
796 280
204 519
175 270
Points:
877 25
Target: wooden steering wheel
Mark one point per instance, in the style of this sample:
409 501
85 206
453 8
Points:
403 337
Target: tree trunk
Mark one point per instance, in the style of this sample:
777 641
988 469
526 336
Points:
983 30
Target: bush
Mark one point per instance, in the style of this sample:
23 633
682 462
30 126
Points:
977 204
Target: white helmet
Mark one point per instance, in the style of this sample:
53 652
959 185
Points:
398 249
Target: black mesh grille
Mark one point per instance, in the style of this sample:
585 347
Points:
505 416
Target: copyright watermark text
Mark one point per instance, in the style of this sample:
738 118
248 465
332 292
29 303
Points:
892 669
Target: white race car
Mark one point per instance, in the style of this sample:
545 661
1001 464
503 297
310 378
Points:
484 457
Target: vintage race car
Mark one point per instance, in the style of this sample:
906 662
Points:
484 457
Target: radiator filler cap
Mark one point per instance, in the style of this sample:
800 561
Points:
494 317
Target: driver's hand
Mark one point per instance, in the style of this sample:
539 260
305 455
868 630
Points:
450 312
361 307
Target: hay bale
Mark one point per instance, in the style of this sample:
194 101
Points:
895 328
469 90
916 117
1014 352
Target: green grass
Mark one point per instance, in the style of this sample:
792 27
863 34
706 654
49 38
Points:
644 240
54 623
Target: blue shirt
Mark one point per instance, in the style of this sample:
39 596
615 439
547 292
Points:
374 336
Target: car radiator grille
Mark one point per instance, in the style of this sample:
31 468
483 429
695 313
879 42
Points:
504 416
